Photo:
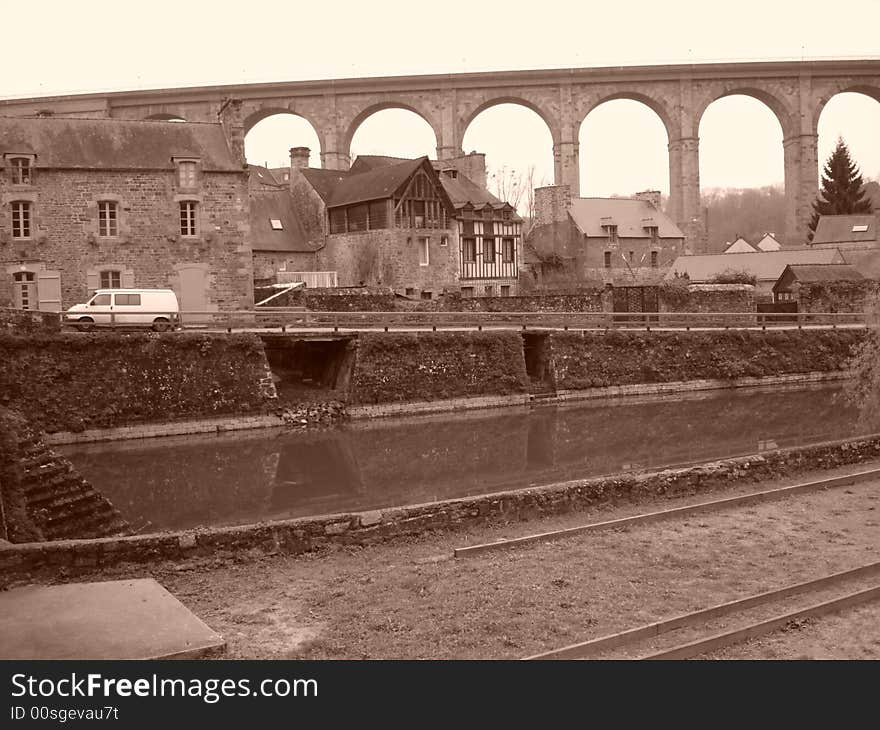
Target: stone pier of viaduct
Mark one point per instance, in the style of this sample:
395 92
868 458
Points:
796 92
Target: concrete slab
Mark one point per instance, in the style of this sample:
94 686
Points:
120 619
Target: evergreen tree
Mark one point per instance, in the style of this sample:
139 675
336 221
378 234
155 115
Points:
841 192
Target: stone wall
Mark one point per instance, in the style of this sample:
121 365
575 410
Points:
148 250
837 296
707 298
593 360
72 381
590 300
390 257
22 321
298 536
391 367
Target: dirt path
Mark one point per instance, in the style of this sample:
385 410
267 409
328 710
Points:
411 600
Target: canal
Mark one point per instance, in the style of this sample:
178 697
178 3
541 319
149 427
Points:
183 482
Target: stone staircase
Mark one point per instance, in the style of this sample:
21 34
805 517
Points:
61 504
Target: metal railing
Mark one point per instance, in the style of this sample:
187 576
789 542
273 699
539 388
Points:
288 319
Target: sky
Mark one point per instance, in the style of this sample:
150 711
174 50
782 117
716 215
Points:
94 45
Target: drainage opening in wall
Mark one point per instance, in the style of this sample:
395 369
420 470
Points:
536 350
310 369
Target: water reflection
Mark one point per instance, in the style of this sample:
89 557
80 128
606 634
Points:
183 482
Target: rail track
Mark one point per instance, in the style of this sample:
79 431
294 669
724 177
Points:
686 511
708 641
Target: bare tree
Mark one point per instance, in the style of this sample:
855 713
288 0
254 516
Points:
506 184
518 189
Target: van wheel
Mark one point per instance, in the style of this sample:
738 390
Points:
160 324
85 324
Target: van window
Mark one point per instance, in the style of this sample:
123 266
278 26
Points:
101 300
128 299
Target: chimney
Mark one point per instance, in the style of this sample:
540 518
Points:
649 196
299 157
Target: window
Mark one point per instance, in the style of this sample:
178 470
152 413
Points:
21 220
110 279
632 255
655 259
507 250
187 174
469 250
859 229
426 295
488 250
128 300
424 251
410 292
505 290
25 290
187 218
611 232
100 300
489 290
444 240
276 224
505 214
107 219
467 292
21 170
608 259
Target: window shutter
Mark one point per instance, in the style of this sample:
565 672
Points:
49 291
93 281
127 279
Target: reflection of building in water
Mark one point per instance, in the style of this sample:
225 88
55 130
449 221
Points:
318 470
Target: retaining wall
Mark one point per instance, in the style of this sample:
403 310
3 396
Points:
614 358
74 381
400 367
29 561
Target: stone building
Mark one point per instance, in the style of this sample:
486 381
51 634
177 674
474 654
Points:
100 203
613 240
417 226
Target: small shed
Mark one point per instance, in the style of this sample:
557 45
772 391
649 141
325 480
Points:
793 275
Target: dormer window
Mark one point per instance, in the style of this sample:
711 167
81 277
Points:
611 232
21 169
187 173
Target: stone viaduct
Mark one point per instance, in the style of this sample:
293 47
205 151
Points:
795 91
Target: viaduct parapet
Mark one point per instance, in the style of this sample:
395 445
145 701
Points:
796 92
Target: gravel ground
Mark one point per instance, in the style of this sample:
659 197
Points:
411 600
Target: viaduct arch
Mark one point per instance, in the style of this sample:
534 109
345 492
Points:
796 91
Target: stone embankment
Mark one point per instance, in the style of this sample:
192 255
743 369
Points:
297 536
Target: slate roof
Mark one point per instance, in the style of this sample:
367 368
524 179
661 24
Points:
376 184
823 272
262 175
768 243
629 215
765 265
116 144
740 245
268 204
839 229
324 181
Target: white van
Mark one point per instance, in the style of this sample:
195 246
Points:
157 308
